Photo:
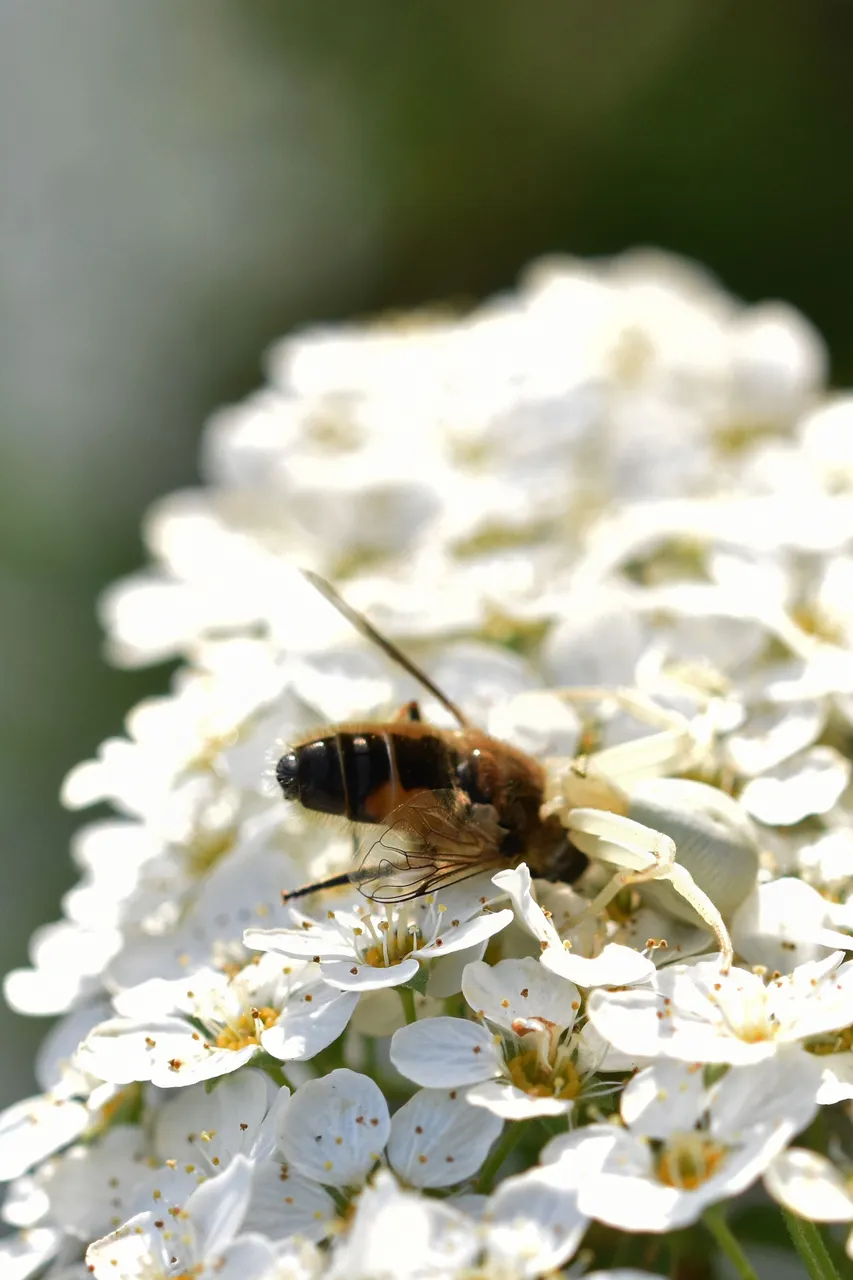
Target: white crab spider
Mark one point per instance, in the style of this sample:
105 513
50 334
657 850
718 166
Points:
620 810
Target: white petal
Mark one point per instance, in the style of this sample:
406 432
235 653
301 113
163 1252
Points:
27 1203
247 1258
437 1139
309 1023
780 1092
774 735
467 933
666 1098
533 1223
403 1235
783 924
836 1079
616 966
315 940
22 1255
445 1052
34 1128
816 998
621 1188
60 1044
351 975
133 1252
539 723
335 1129
284 1204
121 1051
808 783
508 1102
611 1172
597 1140
213 1125
218 1207
809 1185
518 885
514 989
91 1186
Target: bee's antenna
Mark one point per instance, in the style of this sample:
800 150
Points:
332 882
367 629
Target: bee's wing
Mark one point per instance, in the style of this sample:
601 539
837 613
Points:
429 842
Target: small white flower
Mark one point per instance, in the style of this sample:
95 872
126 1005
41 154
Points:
201 1241
179 1033
696 1013
530 1065
685 1145
365 948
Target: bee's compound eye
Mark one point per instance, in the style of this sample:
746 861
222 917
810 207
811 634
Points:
285 775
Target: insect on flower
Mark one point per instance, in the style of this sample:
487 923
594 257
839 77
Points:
455 802
451 802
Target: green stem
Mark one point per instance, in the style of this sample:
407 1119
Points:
810 1246
511 1135
716 1223
276 1072
407 996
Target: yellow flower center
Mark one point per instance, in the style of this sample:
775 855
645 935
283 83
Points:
688 1160
247 1028
394 946
541 1080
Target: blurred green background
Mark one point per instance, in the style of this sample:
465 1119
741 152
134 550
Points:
182 183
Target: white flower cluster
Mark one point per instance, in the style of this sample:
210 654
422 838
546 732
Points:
612 515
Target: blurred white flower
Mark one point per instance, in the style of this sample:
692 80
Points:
203 1242
812 1186
785 923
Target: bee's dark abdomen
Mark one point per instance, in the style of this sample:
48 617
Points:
319 780
362 775
367 768
423 764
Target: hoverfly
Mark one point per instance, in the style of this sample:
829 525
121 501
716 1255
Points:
451 802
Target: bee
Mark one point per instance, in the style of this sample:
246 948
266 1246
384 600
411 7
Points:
450 803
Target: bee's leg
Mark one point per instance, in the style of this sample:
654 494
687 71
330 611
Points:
644 855
409 712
